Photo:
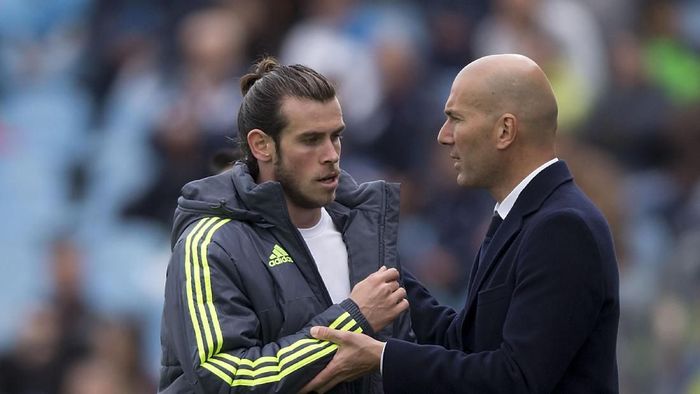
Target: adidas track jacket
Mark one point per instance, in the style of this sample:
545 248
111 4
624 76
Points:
242 289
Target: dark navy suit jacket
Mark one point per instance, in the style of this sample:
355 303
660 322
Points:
542 311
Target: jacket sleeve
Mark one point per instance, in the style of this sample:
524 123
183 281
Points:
216 333
431 321
558 295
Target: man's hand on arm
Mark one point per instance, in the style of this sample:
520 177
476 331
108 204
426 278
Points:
358 354
380 297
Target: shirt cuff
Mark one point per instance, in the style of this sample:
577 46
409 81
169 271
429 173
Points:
381 361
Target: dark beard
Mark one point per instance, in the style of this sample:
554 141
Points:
291 187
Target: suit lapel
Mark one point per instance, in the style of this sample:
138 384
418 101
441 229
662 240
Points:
510 226
530 200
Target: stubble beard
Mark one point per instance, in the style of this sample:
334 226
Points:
293 190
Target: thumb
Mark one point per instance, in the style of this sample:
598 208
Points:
325 333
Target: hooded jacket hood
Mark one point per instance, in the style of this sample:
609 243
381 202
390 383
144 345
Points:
234 194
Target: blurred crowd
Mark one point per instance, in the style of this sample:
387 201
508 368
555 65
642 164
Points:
107 107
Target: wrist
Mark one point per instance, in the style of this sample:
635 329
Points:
356 313
377 350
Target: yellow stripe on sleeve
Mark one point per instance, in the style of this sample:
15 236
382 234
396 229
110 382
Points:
224 365
216 371
244 361
198 288
318 349
188 285
207 286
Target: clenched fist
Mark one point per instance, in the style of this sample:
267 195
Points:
380 297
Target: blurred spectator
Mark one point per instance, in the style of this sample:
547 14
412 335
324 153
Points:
74 316
33 365
93 376
631 116
201 116
117 346
119 31
407 113
323 42
114 363
673 65
56 333
615 16
451 28
266 22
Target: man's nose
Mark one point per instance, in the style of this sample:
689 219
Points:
445 135
331 152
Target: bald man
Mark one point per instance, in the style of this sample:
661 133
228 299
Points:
542 308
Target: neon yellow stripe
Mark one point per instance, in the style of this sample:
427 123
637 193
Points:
339 320
245 361
216 371
207 286
302 352
309 360
226 366
188 285
276 251
295 345
287 371
284 350
266 369
198 285
250 372
347 326
321 348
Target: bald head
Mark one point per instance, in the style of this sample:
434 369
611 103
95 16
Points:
501 121
513 84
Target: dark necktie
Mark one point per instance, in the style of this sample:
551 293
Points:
495 222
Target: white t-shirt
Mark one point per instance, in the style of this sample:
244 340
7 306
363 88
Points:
330 254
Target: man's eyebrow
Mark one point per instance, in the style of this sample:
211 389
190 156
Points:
308 133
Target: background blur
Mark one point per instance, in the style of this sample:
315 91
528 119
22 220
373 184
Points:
107 107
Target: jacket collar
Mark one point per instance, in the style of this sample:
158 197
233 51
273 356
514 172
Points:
268 200
529 201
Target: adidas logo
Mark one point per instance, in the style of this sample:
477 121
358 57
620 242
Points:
279 256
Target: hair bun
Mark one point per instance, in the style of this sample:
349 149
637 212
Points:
264 66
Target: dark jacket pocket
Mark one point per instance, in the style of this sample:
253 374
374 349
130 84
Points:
493 294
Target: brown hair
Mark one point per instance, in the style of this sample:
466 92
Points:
263 90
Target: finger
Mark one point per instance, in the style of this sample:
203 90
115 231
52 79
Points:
377 276
389 275
326 334
398 295
401 306
393 286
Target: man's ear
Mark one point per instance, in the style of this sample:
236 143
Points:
507 130
261 145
